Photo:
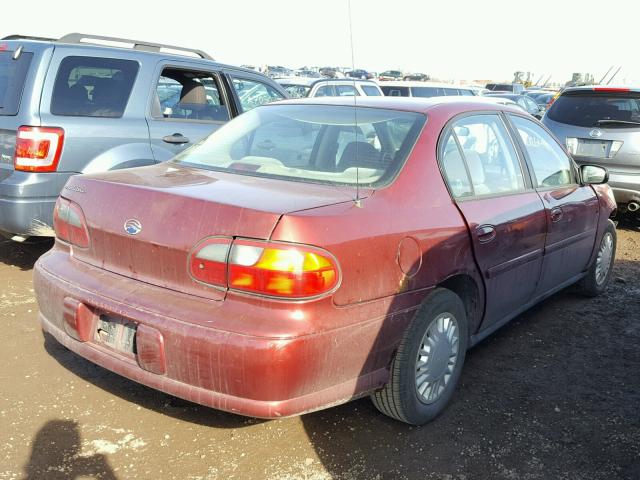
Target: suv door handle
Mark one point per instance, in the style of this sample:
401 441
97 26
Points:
176 138
486 233
556 214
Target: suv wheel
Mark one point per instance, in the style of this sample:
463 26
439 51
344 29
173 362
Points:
427 365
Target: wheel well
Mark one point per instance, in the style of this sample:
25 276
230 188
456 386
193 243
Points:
466 288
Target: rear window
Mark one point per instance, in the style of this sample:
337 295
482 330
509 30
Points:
597 109
311 143
93 87
12 79
500 87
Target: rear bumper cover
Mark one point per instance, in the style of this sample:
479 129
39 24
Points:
27 201
250 375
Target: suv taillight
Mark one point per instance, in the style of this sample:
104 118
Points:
279 270
38 149
70 224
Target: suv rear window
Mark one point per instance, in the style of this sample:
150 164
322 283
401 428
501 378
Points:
597 109
311 143
93 87
12 79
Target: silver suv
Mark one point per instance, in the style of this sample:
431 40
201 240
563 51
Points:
601 126
84 104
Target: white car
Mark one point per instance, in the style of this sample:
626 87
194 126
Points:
298 87
425 89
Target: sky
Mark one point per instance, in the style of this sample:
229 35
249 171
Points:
452 40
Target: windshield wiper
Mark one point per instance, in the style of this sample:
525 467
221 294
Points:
611 121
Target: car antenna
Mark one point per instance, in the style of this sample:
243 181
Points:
605 75
357 201
614 75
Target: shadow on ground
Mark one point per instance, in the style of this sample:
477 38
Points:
55 455
23 255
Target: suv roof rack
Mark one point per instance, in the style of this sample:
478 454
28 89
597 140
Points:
28 37
127 43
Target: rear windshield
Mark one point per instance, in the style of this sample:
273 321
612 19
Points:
502 87
93 87
311 143
12 79
597 109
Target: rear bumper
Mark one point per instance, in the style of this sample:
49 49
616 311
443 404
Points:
266 377
27 201
625 186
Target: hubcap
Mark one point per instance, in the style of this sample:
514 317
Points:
603 261
437 357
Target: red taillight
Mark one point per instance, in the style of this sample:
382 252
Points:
281 270
264 268
38 149
70 224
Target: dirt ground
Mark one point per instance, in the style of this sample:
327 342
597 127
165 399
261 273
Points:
553 395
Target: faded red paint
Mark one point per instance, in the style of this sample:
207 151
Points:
269 358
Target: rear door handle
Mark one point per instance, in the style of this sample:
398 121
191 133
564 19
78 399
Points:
486 233
556 214
176 138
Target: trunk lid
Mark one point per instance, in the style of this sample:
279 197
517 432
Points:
177 207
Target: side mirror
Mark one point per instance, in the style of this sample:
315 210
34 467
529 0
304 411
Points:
593 175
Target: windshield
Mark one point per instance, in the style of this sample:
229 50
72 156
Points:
12 79
595 109
312 143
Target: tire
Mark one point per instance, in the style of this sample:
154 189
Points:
596 281
401 397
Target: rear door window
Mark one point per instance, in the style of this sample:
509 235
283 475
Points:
189 95
93 87
552 167
395 91
13 73
253 93
346 91
490 157
371 91
427 92
597 109
325 91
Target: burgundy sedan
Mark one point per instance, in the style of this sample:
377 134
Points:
312 251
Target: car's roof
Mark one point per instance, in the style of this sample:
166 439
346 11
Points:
413 83
603 88
509 95
41 44
409 104
309 81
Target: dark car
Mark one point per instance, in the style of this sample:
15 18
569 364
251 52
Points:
311 252
601 126
390 75
359 73
416 77
524 101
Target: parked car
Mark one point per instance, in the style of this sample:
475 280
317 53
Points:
526 102
544 99
312 251
298 87
331 72
601 126
358 73
69 107
424 89
505 87
416 77
390 75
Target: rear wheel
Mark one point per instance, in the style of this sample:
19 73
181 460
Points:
599 274
427 365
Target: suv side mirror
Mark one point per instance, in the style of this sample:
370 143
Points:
593 175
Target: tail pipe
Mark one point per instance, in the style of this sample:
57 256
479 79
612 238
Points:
633 206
